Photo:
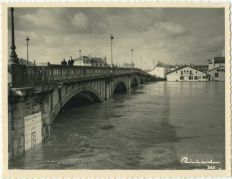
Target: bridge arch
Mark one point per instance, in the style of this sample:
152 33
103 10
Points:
83 91
119 87
86 92
141 81
134 82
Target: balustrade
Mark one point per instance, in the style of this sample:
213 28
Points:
25 76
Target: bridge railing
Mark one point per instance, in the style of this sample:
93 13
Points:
23 76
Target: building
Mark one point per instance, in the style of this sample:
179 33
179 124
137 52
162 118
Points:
187 73
88 61
98 62
216 69
217 74
203 68
82 61
216 62
128 65
161 69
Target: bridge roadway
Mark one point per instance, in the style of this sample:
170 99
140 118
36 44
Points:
38 93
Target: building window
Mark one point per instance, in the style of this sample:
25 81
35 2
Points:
190 77
204 77
195 77
181 77
196 71
216 75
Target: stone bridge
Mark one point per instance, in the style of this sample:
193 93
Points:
38 93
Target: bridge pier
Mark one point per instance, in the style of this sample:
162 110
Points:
46 110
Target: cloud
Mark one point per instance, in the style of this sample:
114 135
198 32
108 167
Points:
163 34
79 20
42 18
170 27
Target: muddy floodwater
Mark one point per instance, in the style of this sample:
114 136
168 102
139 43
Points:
151 127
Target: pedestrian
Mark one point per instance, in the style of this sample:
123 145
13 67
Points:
72 61
65 63
69 62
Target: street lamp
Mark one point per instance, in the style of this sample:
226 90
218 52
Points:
27 41
132 50
141 61
12 56
80 56
111 40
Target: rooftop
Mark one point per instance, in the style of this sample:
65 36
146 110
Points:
217 60
186 66
164 65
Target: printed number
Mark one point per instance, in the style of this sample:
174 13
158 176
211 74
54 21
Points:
211 167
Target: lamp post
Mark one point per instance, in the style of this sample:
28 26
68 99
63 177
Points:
80 56
12 56
141 61
132 51
111 42
27 41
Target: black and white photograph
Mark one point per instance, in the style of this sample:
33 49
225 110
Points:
116 88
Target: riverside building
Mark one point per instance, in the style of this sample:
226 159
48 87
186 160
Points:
186 73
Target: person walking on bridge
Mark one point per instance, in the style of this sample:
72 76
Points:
72 61
64 62
69 62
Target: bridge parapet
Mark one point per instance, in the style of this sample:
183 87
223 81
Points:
24 76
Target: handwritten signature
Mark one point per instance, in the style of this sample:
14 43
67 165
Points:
190 161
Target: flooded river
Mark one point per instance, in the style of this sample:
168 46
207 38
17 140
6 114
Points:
152 127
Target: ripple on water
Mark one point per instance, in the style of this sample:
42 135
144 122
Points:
145 129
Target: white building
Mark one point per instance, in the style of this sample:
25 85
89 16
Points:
82 61
161 69
216 69
88 61
217 74
186 73
216 62
128 65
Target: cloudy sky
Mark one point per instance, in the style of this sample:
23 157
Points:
170 35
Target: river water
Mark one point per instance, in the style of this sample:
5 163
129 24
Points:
152 127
